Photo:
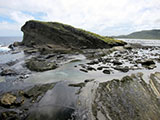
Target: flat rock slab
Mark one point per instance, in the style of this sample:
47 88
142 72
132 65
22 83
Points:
128 98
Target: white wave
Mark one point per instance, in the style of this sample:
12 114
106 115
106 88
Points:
4 48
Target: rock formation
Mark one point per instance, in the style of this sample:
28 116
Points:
128 98
53 33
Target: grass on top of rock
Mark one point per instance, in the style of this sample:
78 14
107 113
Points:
65 27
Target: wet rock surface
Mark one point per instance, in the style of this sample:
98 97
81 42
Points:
39 65
15 105
124 60
8 72
129 97
8 100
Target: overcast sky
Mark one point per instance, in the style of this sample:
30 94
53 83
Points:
105 17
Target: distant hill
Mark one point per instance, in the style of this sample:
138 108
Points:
145 34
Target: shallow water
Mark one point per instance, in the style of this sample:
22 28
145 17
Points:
68 72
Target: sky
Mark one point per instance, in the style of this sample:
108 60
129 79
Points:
105 17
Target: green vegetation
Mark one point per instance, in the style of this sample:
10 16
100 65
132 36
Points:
145 34
65 27
109 40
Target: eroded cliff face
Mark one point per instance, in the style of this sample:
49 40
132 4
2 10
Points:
128 98
41 33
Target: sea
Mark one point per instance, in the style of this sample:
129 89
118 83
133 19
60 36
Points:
6 41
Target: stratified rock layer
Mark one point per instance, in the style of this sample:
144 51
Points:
128 98
43 33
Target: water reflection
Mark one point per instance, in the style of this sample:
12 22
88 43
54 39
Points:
57 104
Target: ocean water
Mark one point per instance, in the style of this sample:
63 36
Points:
144 42
6 41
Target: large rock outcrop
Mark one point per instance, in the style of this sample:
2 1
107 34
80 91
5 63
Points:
130 98
42 33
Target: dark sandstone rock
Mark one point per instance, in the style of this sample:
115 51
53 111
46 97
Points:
102 67
121 68
16 44
30 51
37 91
10 115
42 33
130 97
37 65
150 64
83 70
147 62
106 71
87 67
93 62
9 72
77 85
116 62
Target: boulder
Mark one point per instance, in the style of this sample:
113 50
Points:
40 65
106 71
116 62
122 69
42 33
150 64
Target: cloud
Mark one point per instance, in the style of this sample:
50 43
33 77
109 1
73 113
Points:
106 17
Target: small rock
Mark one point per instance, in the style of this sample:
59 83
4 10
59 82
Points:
150 64
93 62
88 80
89 68
116 62
101 67
77 85
38 65
8 100
16 44
8 72
83 70
122 69
11 46
128 46
9 115
106 72
30 51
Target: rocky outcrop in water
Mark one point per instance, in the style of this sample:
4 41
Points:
43 33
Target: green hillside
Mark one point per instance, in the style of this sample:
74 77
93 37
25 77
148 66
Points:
145 34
